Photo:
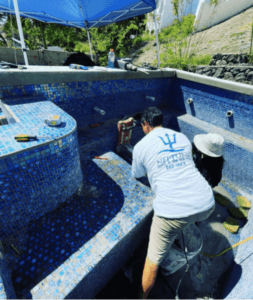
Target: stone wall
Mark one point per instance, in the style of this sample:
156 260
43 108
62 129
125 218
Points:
234 67
35 57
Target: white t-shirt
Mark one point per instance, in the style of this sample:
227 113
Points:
166 156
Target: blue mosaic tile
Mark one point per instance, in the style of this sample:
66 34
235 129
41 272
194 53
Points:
32 114
40 183
79 98
210 104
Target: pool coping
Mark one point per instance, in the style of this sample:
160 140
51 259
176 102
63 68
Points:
238 87
45 75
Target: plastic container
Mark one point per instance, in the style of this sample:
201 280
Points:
111 59
175 259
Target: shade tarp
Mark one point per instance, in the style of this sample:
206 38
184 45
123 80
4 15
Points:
79 13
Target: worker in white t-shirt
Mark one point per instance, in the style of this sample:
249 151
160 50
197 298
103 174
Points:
183 196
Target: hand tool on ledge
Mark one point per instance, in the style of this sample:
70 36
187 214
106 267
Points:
26 137
128 66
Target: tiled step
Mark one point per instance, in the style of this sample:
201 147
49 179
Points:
87 240
238 150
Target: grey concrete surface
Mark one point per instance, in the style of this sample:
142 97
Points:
62 74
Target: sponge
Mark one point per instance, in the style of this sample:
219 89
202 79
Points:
231 225
222 200
243 202
238 212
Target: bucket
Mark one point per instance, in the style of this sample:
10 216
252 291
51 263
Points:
175 258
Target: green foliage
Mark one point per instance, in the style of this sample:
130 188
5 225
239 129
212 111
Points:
147 38
118 37
178 30
183 62
251 42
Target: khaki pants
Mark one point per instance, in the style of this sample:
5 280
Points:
164 231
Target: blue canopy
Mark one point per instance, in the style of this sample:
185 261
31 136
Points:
79 13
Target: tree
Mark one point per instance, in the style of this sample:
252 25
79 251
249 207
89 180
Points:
37 33
117 36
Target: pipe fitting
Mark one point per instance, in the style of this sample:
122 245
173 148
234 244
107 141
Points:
189 101
229 113
101 111
150 98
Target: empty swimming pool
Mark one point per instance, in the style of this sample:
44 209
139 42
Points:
71 216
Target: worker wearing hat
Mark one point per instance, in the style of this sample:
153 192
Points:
208 156
182 195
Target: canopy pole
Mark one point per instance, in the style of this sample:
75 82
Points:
90 44
20 31
157 48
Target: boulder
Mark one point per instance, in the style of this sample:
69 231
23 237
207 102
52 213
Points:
230 64
219 73
247 72
228 75
218 63
224 62
214 71
240 77
206 69
250 76
243 69
235 71
217 56
209 73
212 62
230 58
199 71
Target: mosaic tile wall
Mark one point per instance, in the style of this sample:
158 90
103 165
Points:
117 97
210 104
6 287
238 161
55 267
87 235
36 181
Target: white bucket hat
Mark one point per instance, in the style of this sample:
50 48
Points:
210 144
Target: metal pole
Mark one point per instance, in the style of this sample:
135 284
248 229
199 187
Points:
157 48
90 44
20 31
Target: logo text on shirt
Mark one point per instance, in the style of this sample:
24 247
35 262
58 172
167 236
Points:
174 160
170 143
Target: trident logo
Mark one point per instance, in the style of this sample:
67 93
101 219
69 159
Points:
170 143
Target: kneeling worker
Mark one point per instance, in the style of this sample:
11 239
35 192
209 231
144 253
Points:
183 196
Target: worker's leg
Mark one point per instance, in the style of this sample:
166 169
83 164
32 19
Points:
148 277
162 234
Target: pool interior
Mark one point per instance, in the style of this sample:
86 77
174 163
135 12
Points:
51 239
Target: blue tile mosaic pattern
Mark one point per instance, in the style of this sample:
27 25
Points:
6 287
36 181
32 113
116 97
210 104
65 245
240 173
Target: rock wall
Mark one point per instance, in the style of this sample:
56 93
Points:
235 67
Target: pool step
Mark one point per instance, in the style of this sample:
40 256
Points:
124 225
238 150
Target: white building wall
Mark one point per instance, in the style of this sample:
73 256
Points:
164 13
209 15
